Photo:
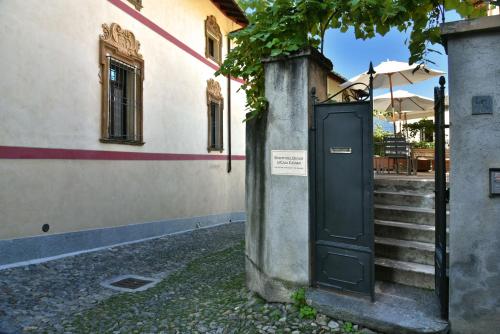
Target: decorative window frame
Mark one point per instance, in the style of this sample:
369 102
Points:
120 44
214 95
137 4
212 31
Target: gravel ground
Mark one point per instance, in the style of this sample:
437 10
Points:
202 290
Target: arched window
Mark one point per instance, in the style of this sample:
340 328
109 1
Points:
122 75
213 38
215 105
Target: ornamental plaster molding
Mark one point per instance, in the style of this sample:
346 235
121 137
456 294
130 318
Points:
136 3
123 40
213 90
212 27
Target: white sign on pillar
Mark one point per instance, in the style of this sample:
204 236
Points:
289 162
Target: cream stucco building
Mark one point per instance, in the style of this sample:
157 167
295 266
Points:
494 11
114 127
333 82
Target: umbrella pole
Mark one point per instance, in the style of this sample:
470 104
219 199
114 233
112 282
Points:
392 104
400 113
406 123
393 122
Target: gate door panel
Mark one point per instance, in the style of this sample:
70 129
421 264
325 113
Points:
344 196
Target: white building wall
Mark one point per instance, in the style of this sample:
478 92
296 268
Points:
51 95
51 98
494 11
446 131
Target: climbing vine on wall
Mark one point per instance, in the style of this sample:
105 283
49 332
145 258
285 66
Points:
281 27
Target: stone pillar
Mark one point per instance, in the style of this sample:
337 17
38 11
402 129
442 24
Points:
277 228
474 76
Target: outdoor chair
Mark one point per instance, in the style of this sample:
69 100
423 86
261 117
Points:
398 148
427 154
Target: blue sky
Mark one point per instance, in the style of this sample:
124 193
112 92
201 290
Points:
350 56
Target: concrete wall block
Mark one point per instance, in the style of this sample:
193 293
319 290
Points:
474 68
278 205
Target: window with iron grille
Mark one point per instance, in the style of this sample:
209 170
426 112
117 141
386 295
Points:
213 43
122 100
122 77
215 105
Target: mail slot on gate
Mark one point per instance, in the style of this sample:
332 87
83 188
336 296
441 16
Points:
340 150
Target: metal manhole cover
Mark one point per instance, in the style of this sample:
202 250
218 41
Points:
130 283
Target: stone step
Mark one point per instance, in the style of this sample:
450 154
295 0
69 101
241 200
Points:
407 214
411 199
402 272
405 250
397 184
404 231
398 309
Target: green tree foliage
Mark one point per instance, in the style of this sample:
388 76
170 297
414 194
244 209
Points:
378 138
379 133
281 27
424 127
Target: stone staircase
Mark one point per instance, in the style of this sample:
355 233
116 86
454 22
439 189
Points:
404 231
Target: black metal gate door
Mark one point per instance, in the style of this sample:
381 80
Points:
343 196
440 262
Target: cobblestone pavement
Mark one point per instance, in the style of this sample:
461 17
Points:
201 290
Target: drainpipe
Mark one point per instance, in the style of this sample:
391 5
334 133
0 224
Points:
229 107
228 112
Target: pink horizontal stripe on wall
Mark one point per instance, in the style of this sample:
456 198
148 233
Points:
163 33
20 152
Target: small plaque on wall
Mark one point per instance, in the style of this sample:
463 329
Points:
482 105
289 162
494 182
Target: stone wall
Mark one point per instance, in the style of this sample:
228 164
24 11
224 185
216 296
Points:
474 70
277 230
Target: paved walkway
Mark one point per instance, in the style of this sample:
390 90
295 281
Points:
202 290
39 296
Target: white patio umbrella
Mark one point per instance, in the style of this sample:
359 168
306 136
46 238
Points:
417 114
394 73
407 105
404 102
409 115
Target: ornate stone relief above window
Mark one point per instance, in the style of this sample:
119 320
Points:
213 38
137 4
215 105
122 69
